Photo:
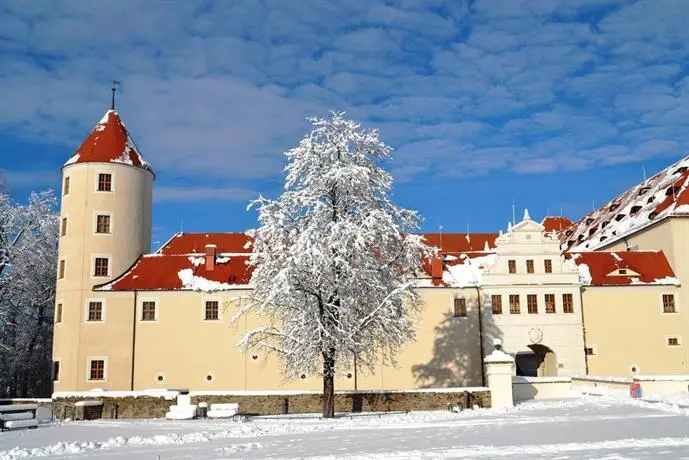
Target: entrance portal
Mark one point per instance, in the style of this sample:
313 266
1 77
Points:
541 361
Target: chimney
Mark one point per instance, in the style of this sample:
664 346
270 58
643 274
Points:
437 269
210 257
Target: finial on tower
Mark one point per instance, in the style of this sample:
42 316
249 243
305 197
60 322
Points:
115 84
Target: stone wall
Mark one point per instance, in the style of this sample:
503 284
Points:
272 404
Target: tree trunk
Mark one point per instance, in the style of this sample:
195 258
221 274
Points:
329 384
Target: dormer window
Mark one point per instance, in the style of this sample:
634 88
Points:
604 224
635 209
680 170
622 271
614 206
643 190
672 190
592 231
619 217
651 199
589 220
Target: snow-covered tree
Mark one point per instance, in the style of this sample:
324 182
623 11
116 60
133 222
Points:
28 257
334 258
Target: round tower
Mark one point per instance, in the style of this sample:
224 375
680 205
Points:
105 225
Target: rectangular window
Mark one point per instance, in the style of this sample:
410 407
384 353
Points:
61 270
460 308
103 224
512 266
669 303
514 304
148 311
101 266
567 303
65 187
56 371
95 312
673 341
622 271
97 369
496 300
532 303
63 227
548 265
529 266
58 313
550 303
212 310
589 351
104 182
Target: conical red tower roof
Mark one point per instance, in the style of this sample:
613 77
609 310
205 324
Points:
109 142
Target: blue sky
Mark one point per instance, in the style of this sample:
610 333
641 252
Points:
557 104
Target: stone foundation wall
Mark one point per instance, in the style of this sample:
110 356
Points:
272 404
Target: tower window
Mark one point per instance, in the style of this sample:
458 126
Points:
61 269
101 266
56 371
63 227
58 313
102 224
496 300
95 312
512 266
460 308
548 265
212 312
104 182
65 187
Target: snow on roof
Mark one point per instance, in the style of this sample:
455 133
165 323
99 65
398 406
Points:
456 243
182 272
468 269
195 243
663 195
109 142
602 268
556 224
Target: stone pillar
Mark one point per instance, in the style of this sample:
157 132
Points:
499 369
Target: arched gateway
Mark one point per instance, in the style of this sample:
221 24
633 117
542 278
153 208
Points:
541 361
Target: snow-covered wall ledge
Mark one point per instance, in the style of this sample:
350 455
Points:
587 383
527 388
663 384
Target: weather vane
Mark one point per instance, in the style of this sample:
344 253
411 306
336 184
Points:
115 84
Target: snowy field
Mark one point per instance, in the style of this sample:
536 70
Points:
602 427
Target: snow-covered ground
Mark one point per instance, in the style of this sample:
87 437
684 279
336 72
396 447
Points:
610 426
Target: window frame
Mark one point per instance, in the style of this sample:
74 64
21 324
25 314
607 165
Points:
515 308
87 311
66 182
547 265
89 366
676 337
512 266
61 269
141 310
96 216
56 360
564 303
532 301
674 301
554 309
493 297
94 259
64 225
58 311
459 304
204 310
98 182
530 268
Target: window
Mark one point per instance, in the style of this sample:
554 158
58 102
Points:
104 182
56 371
95 312
512 266
148 311
514 304
58 313
101 266
496 300
588 351
673 341
63 227
529 266
622 271
532 303
65 187
548 265
460 308
61 270
97 369
102 224
550 303
212 310
669 303
567 303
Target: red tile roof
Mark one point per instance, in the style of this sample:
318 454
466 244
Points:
109 142
456 243
162 272
652 267
556 224
663 195
195 243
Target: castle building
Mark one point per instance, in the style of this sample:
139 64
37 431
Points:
601 296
